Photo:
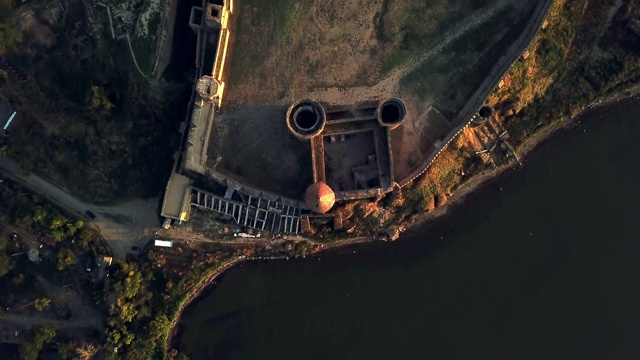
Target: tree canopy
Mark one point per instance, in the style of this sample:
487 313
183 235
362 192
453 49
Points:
66 258
6 262
42 304
9 35
35 339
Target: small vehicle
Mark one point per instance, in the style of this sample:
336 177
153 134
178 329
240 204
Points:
135 248
90 214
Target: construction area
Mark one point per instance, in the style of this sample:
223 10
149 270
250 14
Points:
310 103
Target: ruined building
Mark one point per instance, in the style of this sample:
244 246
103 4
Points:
350 148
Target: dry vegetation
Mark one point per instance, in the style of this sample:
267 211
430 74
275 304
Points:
450 77
576 60
290 47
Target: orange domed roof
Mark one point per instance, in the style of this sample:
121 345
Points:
319 197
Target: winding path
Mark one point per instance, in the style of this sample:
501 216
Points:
122 225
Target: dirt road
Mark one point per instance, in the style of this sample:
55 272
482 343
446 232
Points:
122 225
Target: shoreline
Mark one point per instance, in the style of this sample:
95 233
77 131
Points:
538 139
208 280
459 197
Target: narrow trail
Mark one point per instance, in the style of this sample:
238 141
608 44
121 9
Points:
471 23
135 62
26 322
390 85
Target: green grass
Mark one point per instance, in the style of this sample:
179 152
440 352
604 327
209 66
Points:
465 62
550 54
142 50
407 28
265 26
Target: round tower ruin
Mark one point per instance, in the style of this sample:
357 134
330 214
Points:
306 119
391 113
482 116
207 87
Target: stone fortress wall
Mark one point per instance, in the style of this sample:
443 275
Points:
207 100
470 111
210 91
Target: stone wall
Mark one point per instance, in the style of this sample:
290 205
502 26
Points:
504 64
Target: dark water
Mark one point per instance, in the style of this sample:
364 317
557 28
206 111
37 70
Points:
544 263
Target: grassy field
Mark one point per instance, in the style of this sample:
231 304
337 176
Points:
466 61
294 46
406 28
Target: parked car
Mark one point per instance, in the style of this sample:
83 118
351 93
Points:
90 214
135 248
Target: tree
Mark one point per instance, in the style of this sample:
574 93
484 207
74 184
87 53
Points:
40 214
86 238
99 101
42 304
129 280
6 9
173 354
34 341
67 350
57 222
24 221
6 262
86 351
57 234
120 336
124 309
72 228
113 337
66 258
159 328
9 35
26 165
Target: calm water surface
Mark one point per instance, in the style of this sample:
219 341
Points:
544 263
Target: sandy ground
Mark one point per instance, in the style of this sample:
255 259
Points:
135 220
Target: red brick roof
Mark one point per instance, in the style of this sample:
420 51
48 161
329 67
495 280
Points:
48 239
319 197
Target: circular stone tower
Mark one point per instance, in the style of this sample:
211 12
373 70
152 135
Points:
482 116
207 87
391 113
306 119
319 197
